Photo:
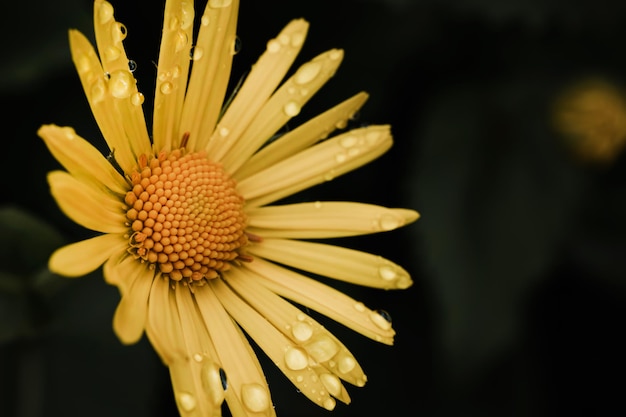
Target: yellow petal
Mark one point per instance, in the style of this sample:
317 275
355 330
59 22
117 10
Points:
323 299
172 73
325 220
234 353
303 136
119 270
322 162
321 345
282 106
212 61
162 325
96 86
129 320
80 158
334 262
83 257
264 77
89 207
276 346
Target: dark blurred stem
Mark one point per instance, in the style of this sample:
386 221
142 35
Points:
30 381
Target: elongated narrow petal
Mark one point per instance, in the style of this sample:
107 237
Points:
88 207
302 330
124 98
212 61
172 72
96 86
206 390
81 158
325 300
334 262
282 106
322 162
305 135
83 257
264 77
325 220
275 345
129 320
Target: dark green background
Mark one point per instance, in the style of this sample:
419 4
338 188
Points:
518 260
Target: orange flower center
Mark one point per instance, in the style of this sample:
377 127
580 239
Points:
185 215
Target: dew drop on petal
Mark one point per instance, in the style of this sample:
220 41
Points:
187 13
348 141
341 157
236 46
296 358
307 73
205 20
388 222
218 4
214 381
111 53
224 131
255 397
331 383
197 357
329 403
381 319
121 84
166 87
317 204
346 364
132 65
105 12
284 39
302 331
97 90
291 109
273 46
387 273
297 39
118 32
359 306
181 41
186 401
322 348
197 53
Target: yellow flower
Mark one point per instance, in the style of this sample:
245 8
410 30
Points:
185 229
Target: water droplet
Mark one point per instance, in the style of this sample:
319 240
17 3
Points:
111 53
224 131
218 4
341 124
322 348
97 90
387 273
331 383
329 403
297 39
255 397
348 141
299 378
341 157
346 364
105 12
197 53
118 32
236 46
296 358
132 65
329 176
205 20
302 331
166 87
381 319
214 381
335 54
121 84
187 13
307 73
361 381
181 41
186 401
176 71
197 357
284 39
359 306
373 137
388 222
317 204
291 109
273 46
83 64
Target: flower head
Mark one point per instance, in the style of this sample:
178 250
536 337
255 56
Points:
184 226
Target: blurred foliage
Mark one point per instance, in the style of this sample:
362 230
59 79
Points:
518 257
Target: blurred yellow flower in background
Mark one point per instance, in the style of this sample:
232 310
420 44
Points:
185 229
591 117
